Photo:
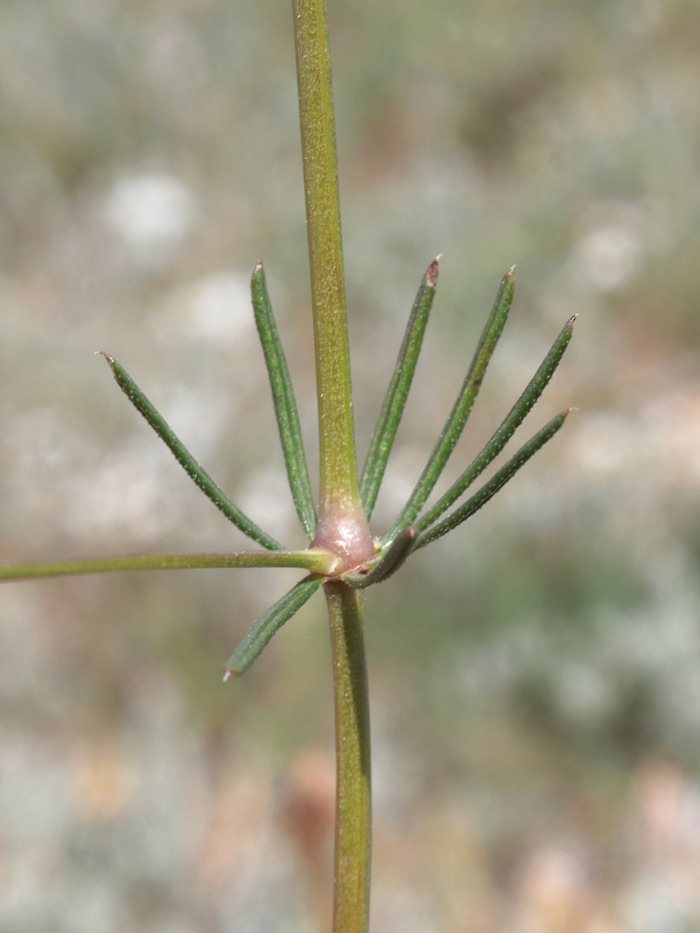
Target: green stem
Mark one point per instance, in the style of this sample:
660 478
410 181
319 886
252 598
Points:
337 444
342 525
353 785
315 560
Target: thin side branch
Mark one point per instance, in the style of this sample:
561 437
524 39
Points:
315 560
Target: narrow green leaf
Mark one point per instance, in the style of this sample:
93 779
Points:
265 627
316 560
497 481
462 407
185 458
510 424
397 392
284 402
388 563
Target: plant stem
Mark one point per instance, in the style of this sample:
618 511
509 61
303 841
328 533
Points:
314 560
337 444
342 525
353 784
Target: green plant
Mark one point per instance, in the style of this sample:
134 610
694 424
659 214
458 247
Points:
342 557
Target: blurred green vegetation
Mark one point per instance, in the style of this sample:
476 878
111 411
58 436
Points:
535 677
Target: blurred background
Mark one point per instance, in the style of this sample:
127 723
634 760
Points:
536 676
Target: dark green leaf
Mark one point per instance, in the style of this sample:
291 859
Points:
284 402
270 622
397 392
462 407
512 421
498 480
186 460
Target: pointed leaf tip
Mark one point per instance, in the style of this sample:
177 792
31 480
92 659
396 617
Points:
110 359
431 275
227 675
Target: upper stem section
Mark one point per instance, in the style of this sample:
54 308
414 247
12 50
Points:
338 469
342 526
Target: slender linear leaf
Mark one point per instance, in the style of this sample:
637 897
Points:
284 402
510 424
317 560
397 392
389 563
497 481
186 460
268 624
462 407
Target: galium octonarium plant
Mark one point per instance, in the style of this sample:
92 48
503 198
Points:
343 556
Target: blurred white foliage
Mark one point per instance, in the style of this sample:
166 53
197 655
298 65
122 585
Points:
200 416
660 444
151 214
60 470
656 902
611 252
218 307
265 496
553 891
129 494
176 61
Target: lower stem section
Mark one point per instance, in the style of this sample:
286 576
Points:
353 785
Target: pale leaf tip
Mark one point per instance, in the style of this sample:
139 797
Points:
227 675
431 275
